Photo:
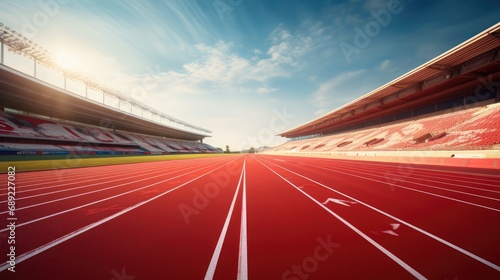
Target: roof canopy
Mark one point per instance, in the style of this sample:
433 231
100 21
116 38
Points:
24 93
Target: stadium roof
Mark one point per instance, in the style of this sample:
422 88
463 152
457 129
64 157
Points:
22 92
86 109
459 62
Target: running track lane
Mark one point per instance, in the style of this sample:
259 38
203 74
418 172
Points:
263 218
291 237
86 268
471 222
441 238
57 216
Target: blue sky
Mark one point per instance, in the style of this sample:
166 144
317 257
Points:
248 69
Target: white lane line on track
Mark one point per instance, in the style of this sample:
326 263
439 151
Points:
99 201
220 242
96 176
32 180
416 166
475 181
388 253
420 184
243 255
408 188
34 176
95 191
449 244
75 233
101 182
421 177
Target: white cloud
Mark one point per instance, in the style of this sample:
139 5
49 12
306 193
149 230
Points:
335 88
384 65
279 34
219 69
265 89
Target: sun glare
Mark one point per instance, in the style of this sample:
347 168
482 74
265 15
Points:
67 61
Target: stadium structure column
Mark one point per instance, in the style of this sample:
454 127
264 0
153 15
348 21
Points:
34 67
1 51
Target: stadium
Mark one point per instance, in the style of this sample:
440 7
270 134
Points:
400 183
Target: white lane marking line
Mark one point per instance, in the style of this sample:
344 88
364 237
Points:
426 185
218 248
95 191
403 187
98 201
33 182
243 255
97 177
393 257
103 170
422 177
414 165
443 177
449 244
75 233
99 183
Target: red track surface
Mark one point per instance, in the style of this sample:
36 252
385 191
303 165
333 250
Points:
256 217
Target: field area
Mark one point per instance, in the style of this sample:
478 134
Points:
251 217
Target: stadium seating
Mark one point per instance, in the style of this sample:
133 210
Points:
471 128
479 131
80 138
10 126
137 139
162 144
79 133
46 128
23 146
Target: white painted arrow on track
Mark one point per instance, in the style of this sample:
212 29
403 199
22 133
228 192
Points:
339 201
392 231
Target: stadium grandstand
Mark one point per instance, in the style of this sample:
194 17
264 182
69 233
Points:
38 117
450 104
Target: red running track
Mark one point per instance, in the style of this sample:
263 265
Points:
254 217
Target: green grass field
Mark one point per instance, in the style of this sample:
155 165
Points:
44 163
